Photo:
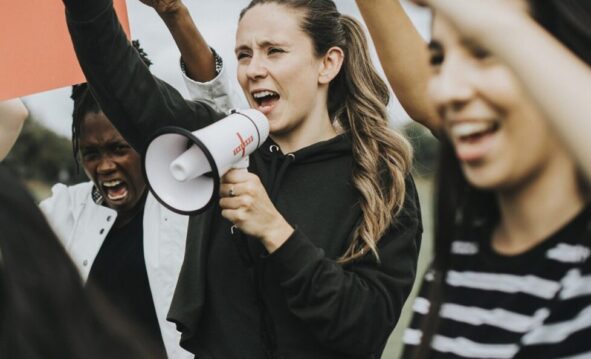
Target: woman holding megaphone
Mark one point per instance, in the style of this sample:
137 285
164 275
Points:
328 216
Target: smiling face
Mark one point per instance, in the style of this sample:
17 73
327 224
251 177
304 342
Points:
278 70
109 161
500 137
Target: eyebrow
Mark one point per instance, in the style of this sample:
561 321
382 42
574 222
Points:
109 143
264 43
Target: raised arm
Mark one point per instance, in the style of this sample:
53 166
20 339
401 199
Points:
403 55
204 72
136 102
554 77
12 117
195 53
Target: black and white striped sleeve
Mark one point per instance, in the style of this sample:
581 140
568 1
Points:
566 333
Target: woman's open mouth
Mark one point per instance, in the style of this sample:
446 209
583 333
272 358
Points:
265 100
473 139
115 190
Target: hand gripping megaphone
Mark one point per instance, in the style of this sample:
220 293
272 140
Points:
183 168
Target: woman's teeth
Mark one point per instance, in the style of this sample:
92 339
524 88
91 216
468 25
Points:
265 98
466 130
115 190
113 183
260 95
122 193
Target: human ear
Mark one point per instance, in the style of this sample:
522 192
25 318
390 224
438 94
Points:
331 64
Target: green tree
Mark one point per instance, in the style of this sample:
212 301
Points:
426 149
42 155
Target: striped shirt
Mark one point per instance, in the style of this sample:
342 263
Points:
533 305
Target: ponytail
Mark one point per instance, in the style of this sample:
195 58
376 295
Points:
382 157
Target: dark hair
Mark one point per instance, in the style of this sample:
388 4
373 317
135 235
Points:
84 102
460 207
569 21
357 99
45 312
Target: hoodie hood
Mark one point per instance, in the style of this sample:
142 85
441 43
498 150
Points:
276 163
335 147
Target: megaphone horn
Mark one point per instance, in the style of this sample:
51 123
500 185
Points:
183 168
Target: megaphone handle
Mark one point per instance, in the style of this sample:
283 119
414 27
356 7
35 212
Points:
242 164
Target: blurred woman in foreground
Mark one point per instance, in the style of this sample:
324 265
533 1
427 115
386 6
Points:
44 310
511 274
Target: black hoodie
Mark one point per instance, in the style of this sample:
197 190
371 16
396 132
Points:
233 300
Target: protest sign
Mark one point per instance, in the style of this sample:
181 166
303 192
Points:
36 52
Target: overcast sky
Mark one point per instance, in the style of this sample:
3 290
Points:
217 20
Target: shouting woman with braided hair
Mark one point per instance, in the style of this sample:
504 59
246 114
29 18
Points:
115 232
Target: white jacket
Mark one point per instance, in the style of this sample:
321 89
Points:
83 225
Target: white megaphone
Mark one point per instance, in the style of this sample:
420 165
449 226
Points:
183 168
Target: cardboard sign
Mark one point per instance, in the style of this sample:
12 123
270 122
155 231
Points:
36 52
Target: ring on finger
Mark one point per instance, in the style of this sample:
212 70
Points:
231 192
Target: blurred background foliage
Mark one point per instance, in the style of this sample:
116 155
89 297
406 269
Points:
42 158
426 149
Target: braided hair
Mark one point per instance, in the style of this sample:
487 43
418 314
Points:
84 103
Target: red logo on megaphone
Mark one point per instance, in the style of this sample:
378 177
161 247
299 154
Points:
243 143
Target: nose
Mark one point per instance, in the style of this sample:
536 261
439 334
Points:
256 68
452 87
106 165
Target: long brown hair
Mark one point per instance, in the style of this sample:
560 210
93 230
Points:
357 100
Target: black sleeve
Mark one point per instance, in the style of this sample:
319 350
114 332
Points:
136 102
353 308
